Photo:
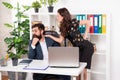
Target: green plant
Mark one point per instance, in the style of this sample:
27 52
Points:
36 4
49 2
19 38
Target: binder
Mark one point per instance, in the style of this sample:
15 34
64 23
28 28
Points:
79 17
91 18
103 23
100 24
83 26
96 23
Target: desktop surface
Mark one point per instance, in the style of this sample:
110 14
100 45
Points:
49 70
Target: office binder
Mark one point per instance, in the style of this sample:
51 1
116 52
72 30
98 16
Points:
103 23
96 23
100 24
83 26
79 17
91 18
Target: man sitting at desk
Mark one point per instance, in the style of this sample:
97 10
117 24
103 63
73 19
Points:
38 50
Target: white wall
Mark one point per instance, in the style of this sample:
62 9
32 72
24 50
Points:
5 16
109 6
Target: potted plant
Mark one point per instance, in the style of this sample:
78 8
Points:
50 4
36 5
19 39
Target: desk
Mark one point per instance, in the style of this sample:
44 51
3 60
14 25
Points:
61 71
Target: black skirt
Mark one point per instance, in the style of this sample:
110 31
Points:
86 50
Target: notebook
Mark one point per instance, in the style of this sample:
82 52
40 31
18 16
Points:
25 61
63 56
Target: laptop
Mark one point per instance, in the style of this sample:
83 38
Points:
63 56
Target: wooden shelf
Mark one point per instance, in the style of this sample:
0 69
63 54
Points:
97 71
100 52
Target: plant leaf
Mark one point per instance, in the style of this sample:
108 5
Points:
8 25
8 5
26 7
24 16
8 40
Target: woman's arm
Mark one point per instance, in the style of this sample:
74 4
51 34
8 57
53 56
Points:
87 23
59 40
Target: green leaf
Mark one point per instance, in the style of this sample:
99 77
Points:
8 40
26 7
8 5
14 33
24 16
36 4
18 14
43 2
8 25
18 40
13 55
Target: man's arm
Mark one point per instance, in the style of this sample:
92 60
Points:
55 43
31 53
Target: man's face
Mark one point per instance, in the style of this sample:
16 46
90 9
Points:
37 32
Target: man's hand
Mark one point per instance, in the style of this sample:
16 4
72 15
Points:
34 42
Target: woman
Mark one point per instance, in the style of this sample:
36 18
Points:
69 29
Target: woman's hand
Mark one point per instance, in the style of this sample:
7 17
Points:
85 37
48 36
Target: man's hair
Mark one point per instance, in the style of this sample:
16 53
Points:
39 25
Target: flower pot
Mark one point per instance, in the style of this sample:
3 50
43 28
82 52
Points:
14 61
36 10
50 8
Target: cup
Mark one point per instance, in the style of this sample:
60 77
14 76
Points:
3 62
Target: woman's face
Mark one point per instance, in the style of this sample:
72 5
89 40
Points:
59 17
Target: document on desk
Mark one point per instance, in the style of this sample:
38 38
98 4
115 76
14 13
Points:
37 65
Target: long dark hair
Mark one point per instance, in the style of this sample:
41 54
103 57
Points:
65 24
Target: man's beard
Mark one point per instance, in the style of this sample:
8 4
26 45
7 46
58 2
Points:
37 36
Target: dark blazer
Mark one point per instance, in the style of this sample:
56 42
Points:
37 52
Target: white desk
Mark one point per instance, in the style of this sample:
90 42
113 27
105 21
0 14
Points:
61 71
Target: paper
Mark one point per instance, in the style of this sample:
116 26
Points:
37 65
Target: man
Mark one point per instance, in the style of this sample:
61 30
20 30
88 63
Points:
38 50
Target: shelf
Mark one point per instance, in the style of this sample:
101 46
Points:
43 13
89 12
98 71
97 34
100 52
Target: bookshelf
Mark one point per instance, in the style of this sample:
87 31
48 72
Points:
100 69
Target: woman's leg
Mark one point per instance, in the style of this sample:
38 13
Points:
85 74
78 77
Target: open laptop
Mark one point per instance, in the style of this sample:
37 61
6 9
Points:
63 56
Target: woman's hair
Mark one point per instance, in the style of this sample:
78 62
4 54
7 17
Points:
65 24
